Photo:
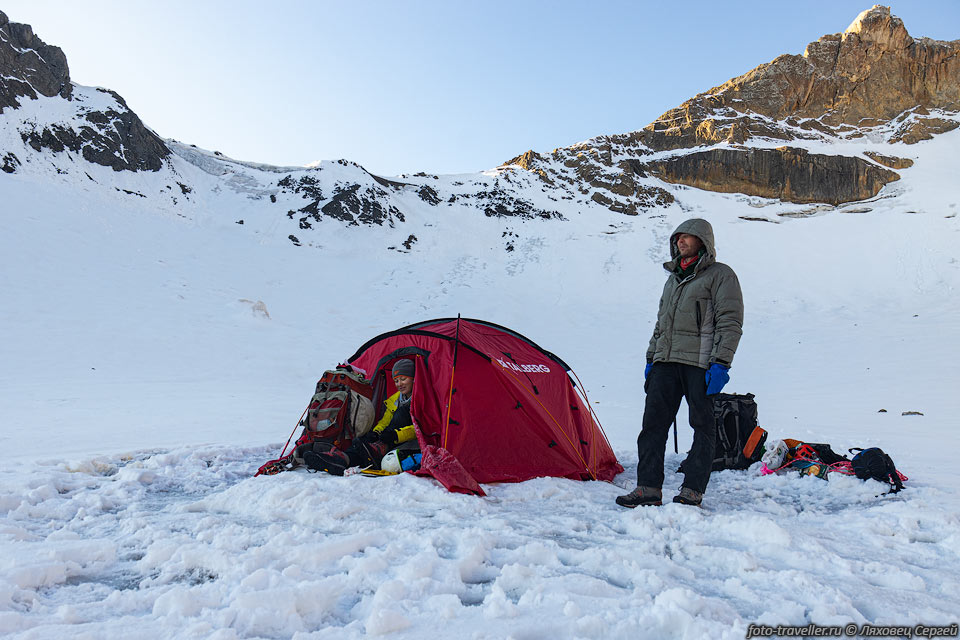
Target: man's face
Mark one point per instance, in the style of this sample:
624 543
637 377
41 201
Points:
404 384
688 245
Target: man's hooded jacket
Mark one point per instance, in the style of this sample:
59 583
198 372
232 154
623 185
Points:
700 320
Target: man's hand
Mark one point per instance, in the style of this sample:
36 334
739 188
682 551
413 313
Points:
717 376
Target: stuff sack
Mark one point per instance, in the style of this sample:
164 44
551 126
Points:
876 464
340 410
740 438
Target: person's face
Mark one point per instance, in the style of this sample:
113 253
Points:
688 245
404 384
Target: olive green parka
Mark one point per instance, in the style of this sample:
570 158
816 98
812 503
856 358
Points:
700 320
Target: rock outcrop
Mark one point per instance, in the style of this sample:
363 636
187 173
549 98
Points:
30 67
868 75
873 79
788 174
113 136
889 161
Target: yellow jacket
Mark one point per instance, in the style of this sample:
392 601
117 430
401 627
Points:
403 433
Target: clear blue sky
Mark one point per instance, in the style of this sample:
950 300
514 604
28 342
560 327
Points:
443 86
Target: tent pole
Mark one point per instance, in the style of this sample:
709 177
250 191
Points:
453 370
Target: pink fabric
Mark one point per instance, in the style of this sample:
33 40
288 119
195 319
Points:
442 465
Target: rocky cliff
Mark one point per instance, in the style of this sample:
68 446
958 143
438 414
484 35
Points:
833 125
870 75
872 81
111 134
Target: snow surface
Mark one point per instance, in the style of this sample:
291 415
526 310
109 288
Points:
154 353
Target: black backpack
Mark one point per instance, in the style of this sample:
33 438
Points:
740 439
874 463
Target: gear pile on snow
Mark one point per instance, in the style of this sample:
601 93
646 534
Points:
821 460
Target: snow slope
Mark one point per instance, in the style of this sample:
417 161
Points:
154 352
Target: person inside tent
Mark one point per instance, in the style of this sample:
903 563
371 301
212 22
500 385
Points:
393 429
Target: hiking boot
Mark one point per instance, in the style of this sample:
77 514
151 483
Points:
641 497
688 496
334 462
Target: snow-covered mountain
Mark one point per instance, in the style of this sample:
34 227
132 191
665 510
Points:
167 311
824 127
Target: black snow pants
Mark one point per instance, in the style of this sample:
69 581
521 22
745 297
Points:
667 384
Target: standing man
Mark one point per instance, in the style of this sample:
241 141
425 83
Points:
697 331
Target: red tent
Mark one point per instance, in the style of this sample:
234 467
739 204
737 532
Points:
489 405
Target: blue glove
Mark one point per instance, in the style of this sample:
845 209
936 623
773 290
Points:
646 370
717 376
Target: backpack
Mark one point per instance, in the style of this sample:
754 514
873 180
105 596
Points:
740 439
340 410
874 463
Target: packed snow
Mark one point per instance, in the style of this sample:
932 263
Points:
155 353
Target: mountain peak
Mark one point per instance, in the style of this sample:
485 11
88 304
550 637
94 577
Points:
103 129
30 66
873 82
867 76
876 25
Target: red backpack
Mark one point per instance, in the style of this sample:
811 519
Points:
340 410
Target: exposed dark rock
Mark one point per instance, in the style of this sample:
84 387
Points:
409 242
532 161
589 170
429 195
889 161
29 66
350 205
920 129
755 219
868 75
306 185
498 203
115 138
384 182
10 163
785 173
294 239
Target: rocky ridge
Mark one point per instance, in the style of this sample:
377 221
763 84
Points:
842 86
873 79
112 136
760 134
